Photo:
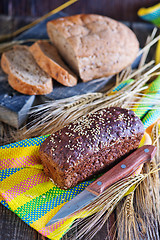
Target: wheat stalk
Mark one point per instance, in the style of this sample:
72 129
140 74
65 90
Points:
54 115
101 208
142 207
30 25
145 54
149 45
8 45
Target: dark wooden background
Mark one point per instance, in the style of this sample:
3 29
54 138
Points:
117 9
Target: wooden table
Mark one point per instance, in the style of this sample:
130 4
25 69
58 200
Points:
13 228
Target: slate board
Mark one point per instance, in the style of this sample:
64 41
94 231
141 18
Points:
14 106
60 91
8 103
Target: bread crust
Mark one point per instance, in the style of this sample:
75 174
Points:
89 145
57 70
17 82
25 88
100 45
5 63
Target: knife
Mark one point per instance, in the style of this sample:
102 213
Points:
123 169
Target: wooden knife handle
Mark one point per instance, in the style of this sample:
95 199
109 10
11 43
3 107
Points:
122 169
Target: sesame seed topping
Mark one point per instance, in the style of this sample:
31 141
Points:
91 133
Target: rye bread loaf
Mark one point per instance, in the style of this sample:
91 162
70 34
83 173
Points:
24 75
93 45
48 58
89 145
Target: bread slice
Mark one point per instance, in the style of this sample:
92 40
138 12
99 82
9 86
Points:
93 45
48 58
24 75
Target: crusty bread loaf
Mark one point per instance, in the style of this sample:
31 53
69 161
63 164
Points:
93 45
48 58
24 75
89 145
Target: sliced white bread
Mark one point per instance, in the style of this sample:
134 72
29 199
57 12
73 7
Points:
48 58
24 74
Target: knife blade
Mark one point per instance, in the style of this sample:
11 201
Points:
123 169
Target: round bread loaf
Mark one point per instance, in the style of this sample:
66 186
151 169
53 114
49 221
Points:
89 145
93 45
